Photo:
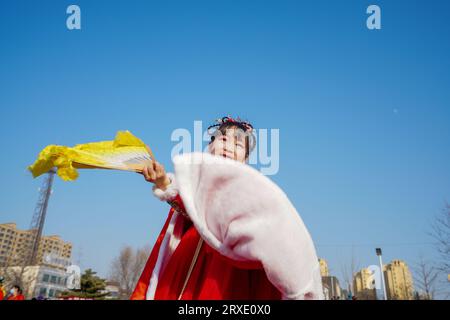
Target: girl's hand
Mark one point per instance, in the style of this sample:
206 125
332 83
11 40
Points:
154 172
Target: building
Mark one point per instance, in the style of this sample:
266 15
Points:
326 291
113 290
398 280
48 277
332 288
16 246
37 281
323 268
364 285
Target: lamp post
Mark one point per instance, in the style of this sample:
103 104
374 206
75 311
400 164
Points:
378 251
332 288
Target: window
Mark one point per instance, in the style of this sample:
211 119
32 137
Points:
51 293
53 279
43 292
45 278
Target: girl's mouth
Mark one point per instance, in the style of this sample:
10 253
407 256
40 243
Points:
227 155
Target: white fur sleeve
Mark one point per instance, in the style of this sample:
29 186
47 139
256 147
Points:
171 191
246 217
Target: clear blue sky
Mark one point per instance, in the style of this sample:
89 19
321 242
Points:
363 115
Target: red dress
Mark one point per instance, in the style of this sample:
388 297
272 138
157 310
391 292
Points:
214 276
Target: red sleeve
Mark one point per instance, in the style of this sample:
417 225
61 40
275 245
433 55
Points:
177 204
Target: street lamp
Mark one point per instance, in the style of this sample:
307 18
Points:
378 251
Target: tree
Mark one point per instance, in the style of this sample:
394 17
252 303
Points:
425 277
126 269
91 287
22 276
441 233
348 271
18 271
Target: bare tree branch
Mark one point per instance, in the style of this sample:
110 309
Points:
349 269
425 277
440 231
127 267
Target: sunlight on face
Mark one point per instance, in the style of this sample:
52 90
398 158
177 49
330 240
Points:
230 145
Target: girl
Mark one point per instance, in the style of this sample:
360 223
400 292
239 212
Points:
184 266
15 294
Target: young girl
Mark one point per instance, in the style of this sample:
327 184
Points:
184 265
15 294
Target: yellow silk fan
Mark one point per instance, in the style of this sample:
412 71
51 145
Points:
126 152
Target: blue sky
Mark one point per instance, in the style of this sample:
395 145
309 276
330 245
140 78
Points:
363 115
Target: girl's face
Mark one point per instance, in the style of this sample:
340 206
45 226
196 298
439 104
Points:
229 145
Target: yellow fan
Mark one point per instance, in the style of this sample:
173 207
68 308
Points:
126 152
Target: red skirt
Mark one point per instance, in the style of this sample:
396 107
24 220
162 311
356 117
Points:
214 276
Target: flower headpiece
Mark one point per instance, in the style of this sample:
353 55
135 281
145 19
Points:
241 123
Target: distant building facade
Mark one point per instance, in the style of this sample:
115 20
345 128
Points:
49 276
113 290
37 281
364 285
323 268
398 279
16 246
332 289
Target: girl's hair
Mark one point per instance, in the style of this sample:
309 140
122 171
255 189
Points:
225 123
19 290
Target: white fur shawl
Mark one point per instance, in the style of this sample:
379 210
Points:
246 217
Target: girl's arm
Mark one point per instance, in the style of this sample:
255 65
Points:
165 187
